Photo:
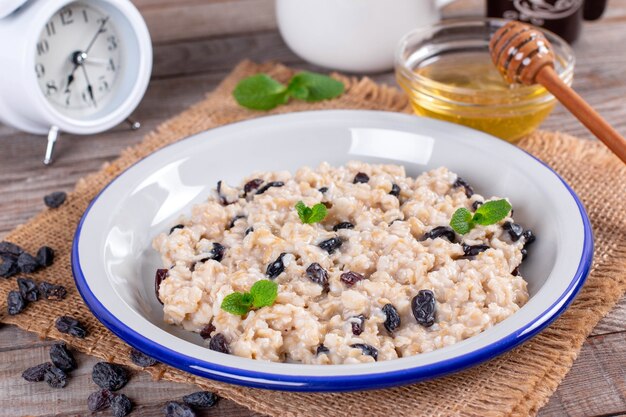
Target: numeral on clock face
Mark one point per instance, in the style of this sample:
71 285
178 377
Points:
77 58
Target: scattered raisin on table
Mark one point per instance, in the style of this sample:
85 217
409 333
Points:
367 350
121 405
10 250
99 400
109 376
350 278
141 359
62 358
160 275
45 256
176 409
51 291
270 185
28 288
276 268
36 373
219 343
55 377
55 199
15 303
178 226
205 333
343 225
423 307
392 322
71 326
27 263
474 250
460 182
358 322
318 275
361 178
200 399
8 268
442 232
395 190
330 245
514 230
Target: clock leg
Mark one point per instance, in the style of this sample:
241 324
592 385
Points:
134 125
53 135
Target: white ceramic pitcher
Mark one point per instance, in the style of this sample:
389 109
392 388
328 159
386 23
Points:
352 35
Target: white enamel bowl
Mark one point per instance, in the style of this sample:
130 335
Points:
114 264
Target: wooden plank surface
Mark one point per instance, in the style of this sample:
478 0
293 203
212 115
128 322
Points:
196 43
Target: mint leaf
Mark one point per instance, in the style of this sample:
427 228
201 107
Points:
461 221
311 215
237 303
318 87
260 92
264 293
492 212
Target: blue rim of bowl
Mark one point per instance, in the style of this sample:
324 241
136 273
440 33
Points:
339 383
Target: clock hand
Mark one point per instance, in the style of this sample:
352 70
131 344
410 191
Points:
100 30
89 88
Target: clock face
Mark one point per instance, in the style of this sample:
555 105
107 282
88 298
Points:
77 59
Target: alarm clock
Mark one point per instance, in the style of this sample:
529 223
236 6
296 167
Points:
76 66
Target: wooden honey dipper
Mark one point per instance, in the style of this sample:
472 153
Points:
523 55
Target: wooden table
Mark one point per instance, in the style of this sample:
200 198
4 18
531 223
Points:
196 44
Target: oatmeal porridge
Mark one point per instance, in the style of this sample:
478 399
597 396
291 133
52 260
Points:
382 276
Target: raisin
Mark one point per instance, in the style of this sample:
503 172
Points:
343 225
460 182
515 230
178 226
62 358
524 252
99 400
201 399
222 198
141 359
252 185
36 373
476 204
248 230
55 377
361 178
350 278
529 237
218 343
321 349
474 250
395 190
15 303
205 333
54 200
45 256
367 350
317 274
71 326
270 185
109 376
28 289
8 268
234 220
10 250
323 190
392 322
176 409
276 268
160 275
395 220
330 245
423 307
357 324
51 291
217 253
441 231
27 263
515 272
121 405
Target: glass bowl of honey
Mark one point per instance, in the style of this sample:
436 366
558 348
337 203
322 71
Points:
448 74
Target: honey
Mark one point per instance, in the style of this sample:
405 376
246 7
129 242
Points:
448 74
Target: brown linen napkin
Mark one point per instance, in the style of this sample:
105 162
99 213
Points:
517 383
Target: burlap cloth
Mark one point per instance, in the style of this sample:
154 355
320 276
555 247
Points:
517 383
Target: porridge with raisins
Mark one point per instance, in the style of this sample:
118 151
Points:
382 276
